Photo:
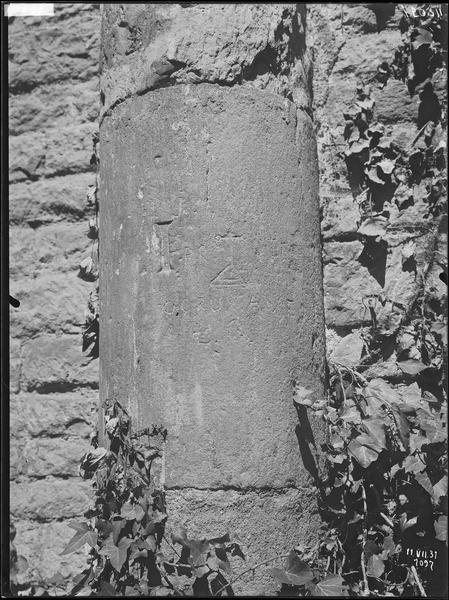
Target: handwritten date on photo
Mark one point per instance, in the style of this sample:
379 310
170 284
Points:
413 12
422 558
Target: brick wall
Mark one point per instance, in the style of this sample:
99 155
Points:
53 109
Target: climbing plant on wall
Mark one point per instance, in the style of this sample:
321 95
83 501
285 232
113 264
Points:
384 500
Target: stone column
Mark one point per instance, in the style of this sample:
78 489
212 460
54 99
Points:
211 293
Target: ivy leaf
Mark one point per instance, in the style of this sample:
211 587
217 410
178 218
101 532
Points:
83 535
198 549
376 129
373 227
387 166
91 461
413 464
389 547
131 512
372 442
408 250
424 482
116 553
117 525
407 523
357 147
417 441
370 548
424 38
411 366
179 535
441 528
373 176
440 329
375 427
365 105
362 454
220 542
439 489
301 396
106 590
375 566
215 563
88 270
351 414
80 581
330 586
128 511
297 572
433 429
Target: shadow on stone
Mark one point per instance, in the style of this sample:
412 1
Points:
306 439
374 258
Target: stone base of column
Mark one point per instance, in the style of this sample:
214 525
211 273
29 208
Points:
268 523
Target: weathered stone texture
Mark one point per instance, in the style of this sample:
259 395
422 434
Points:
213 290
53 108
349 43
35 203
282 517
45 50
210 263
145 47
41 543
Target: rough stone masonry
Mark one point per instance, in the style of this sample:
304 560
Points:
211 292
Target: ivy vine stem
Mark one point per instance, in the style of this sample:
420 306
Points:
418 581
240 575
365 533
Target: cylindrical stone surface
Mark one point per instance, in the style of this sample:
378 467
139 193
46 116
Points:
211 300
